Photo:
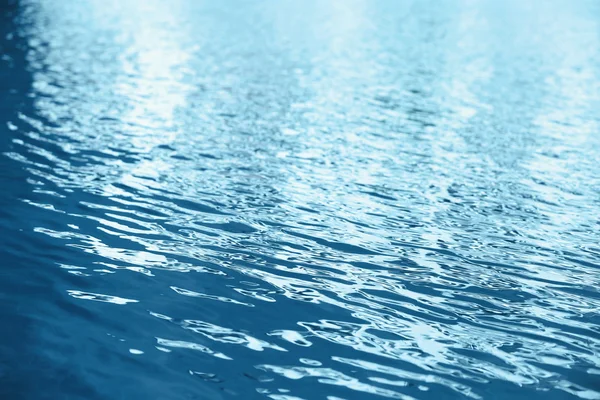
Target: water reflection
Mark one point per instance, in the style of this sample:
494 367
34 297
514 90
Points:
309 200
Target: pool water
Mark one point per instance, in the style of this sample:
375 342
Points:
316 199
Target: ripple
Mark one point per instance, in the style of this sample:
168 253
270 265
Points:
100 297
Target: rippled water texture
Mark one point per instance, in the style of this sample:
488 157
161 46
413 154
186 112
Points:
299 199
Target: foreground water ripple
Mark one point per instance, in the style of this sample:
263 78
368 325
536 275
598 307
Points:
300 200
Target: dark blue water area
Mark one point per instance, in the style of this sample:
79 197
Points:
288 200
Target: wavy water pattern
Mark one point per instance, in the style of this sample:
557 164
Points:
301 200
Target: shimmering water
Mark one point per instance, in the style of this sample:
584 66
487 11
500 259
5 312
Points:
299 199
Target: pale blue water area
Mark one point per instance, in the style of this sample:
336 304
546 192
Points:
299 199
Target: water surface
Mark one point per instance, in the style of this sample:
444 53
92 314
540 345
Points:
310 199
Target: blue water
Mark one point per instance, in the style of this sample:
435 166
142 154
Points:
299 199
